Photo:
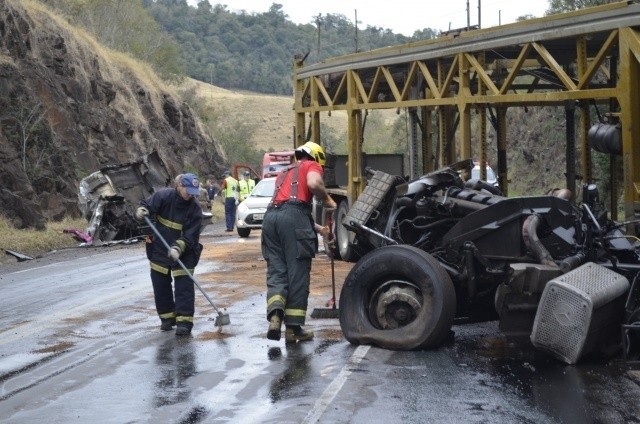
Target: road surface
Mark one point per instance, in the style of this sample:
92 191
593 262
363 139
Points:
80 342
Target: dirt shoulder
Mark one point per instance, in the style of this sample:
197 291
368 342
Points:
242 263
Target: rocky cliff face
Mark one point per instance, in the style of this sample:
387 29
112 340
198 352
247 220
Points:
68 108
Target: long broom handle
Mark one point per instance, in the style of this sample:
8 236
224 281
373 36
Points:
331 212
333 283
184 268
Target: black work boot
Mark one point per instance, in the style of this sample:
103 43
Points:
167 324
275 323
295 333
183 330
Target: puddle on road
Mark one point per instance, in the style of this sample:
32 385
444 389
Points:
60 347
594 390
213 335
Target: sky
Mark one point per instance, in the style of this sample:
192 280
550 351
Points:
401 16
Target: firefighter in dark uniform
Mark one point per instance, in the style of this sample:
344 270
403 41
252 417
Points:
289 242
178 217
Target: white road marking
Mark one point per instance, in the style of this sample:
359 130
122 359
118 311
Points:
336 385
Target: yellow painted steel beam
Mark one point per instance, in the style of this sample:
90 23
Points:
342 88
482 74
300 90
392 85
319 86
411 77
513 72
354 125
444 84
427 147
464 92
482 113
555 67
503 145
584 72
556 98
587 74
362 95
515 65
433 87
629 100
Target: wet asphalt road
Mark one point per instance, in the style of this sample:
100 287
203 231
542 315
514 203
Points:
79 342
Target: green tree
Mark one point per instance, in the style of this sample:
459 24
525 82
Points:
562 6
255 51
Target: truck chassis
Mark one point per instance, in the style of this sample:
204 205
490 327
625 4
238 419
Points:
438 250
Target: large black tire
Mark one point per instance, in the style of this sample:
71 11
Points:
397 297
243 232
343 236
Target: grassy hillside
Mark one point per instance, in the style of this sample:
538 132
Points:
272 115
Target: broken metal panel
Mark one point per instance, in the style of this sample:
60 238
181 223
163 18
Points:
108 197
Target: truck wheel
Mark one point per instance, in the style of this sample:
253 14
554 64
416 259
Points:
343 240
244 232
397 297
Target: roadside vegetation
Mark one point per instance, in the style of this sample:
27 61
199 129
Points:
33 243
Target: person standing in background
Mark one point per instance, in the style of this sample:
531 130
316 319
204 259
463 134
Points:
246 185
230 191
212 191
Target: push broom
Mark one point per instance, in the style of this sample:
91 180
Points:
221 319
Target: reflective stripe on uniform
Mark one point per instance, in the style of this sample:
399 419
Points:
168 315
181 244
159 268
180 272
169 224
295 312
276 298
182 318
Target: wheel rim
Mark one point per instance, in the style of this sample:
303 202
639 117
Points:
395 304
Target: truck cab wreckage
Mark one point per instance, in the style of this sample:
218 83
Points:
108 198
438 250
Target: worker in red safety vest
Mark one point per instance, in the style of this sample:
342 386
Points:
289 242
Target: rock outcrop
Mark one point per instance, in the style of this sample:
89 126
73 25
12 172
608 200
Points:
69 107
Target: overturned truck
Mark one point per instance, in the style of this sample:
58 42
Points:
439 250
109 197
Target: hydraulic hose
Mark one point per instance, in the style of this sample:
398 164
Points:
531 240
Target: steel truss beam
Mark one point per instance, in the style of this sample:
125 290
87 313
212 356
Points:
546 61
